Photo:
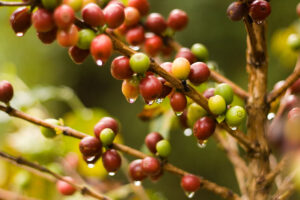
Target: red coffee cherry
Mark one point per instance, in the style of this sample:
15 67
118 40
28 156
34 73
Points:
6 91
132 16
156 23
114 15
150 88
183 119
47 37
151 166
199 73
298 9
130 90
260 10
65 188
93 15
42 20
68 37
237 10
20 20
294 113
120 68
92 159
135 35
178 102
111 160
167 51
295 88
106 122
101 49
166 90
78 55
151 140
142 5
136 172
167 66
190 183
178 19
122 30
153 45
290 102
156 177
90 146
209 93
187 54
204 128
64 16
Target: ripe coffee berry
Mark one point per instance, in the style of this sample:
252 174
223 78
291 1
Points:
190 183
74 4
150 88
200 51
225 91
90 146
106 122
217 104
237 10
151 140
167 66
156 23
93 15
78 55
136 172
142 6
153 45
64 16
42 20
259 10
114 15
178 102
187 54
101 49
290 102
107 136
151 166
139 62
181 68
294 113
68 37
295 88
20 20
65 188
204 128
47 37
166 90
235 116
178 19
163 148
6 91
120 68
49 133
111 160
132 16
199 73
135 35
85 37
130 89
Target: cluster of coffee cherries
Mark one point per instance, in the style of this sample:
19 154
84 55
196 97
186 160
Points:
258 10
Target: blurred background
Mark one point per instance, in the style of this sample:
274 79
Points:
49 84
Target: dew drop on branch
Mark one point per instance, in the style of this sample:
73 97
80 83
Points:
188 132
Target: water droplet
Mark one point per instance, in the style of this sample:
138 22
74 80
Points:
271 116
99 62
178 113
188 132
20 34
159 101
190 194
111 173
137 183
131 100
202 143
259 22
89 159
233 128
150 102
90 165
136 48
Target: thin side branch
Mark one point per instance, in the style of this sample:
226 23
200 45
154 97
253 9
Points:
23 162
10 3
206 184
286 189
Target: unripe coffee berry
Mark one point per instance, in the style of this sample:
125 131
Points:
74 4
135 35
156 23
217 104
93 15
20 20
67 37
235 116
195 112
107 136
199 73
237 10
106 122
187 54
132 16
114 15
204 128
50 4
200 51
111 160
139 62
90 146
163 148
190 183
151 166
293 42
151 140
225 91
42 20
101 49
153 45
259 10
85 38
177 19
136 172
181 68
120 68
47 37
47 132
142 6
64 16
65 188
178 101
150 88
6 91
78 55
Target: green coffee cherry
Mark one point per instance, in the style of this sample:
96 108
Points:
225 91
217 104
195 112
163 148
75 4
139 62
85 37
235 116
47 132
107 136
200 51
294 42
237 101
50 4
